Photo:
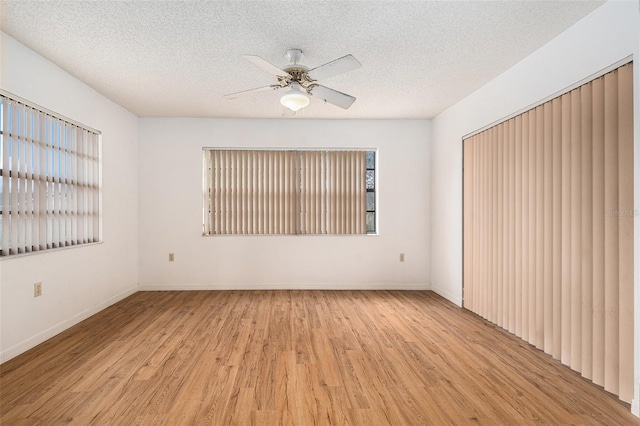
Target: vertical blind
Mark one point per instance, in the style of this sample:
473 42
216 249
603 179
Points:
50 180
548 228
284 192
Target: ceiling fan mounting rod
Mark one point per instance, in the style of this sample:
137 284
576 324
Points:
294 56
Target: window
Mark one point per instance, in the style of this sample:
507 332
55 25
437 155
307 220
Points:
283 192
50 180
371 192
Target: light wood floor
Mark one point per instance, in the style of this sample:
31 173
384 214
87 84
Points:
294 357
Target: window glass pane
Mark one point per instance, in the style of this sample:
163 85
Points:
51 207
371 179
371 159
371 201
371 222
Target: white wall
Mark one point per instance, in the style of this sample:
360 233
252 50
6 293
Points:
607 35
77 282
171 209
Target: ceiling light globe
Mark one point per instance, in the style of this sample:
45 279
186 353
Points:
294 100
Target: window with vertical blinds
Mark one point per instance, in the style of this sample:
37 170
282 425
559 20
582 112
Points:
278 192
548 228
50 177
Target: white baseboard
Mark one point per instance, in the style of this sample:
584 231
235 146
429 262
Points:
62 326
635 407
447 295
285 286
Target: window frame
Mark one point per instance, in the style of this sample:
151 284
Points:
57 203
208 200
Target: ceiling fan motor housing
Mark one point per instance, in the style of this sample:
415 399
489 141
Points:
297 72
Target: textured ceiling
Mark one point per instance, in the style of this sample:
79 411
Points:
180 58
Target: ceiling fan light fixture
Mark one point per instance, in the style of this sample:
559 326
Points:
295 99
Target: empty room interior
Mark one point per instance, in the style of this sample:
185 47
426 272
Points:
309 212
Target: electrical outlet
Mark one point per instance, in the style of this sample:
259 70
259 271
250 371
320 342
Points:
37 289
171 257
401 257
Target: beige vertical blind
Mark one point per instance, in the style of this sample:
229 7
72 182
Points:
284 192
548 228
50 180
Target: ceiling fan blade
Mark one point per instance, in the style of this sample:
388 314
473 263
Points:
266 66
252 91
340 65
332 96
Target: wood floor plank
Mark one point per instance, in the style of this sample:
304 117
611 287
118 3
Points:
295 358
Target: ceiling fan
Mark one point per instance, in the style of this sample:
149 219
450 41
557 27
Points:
302 81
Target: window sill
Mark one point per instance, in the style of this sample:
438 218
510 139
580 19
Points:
31 253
